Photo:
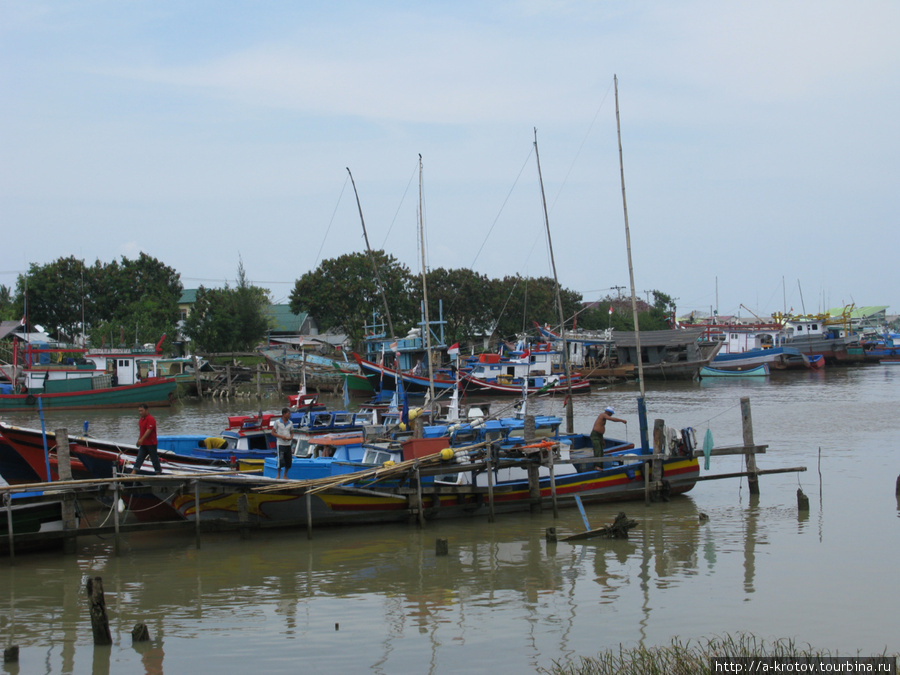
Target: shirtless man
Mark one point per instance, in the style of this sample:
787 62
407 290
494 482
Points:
600 429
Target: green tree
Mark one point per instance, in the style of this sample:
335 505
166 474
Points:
228 319
465 297
341 293
51 295
518 301
7 305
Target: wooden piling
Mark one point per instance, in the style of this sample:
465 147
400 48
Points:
64 468
553 483
489 467
11 654
197 511
550 535
244 516
534 487
898 485
258 382
750 455
140 633
802 500
656 465
7 500
116 539
99 620
308 515
441 547
228 387
529 430
421 513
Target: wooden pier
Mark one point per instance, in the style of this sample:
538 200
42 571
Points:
100 499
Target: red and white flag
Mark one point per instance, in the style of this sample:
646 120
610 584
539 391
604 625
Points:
610 309
453 349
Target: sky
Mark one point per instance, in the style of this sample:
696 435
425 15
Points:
760 142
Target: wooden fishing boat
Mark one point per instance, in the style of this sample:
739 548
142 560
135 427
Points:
94 392
370 497
30 517
761 370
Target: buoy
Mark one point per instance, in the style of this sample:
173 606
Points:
121 505
447 454
390 462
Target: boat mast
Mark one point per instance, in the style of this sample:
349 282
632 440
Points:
425 289
387 312
570 414
642 410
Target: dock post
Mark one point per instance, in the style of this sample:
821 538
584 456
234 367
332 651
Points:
116 498
490 478
419 495
750 454
64 460
197 510
659 448
553 484
243 516
528 431
7 500
441 547
308 515
11 654
534 487
99 620
229 390
140 633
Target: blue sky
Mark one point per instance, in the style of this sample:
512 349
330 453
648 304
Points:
761 141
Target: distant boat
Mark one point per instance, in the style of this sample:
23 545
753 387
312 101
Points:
761 370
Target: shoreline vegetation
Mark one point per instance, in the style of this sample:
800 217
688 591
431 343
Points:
694 657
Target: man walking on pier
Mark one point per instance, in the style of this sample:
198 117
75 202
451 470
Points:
281 429
147 440
599 430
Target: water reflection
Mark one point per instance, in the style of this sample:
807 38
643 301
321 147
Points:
380 599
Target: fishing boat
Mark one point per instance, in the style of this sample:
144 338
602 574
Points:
665 354
532 370
93 392
750 345
29 519
761 370
438 485
100 378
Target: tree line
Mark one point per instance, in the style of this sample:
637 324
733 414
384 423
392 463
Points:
126 302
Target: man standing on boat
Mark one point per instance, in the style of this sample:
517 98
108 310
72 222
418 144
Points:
600 429
281 429
147 440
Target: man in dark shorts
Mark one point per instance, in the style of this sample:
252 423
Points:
147 440
599 430
281 429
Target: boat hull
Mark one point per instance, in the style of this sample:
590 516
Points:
220 498
157 392
381 378
478 387
757 371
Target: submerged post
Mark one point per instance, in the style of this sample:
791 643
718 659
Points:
99 620
750 453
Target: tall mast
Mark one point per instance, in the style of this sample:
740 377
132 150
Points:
427 326
570 414
387 312
634 311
